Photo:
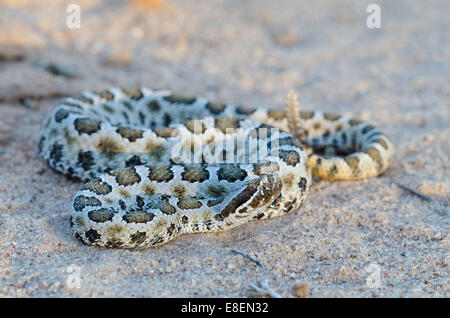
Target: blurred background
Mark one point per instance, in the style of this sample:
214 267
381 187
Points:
240 49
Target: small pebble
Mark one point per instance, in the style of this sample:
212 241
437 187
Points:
300 290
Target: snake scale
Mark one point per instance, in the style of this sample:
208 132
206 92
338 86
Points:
160 164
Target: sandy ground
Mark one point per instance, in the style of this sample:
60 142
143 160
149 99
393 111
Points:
350 239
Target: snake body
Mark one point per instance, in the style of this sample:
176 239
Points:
160 164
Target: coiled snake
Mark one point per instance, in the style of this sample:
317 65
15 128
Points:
162 164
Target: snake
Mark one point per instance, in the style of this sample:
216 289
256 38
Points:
159 164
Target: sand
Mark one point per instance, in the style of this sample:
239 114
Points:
350 239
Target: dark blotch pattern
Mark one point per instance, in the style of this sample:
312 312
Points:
97 186
128 106
368 128
171 229
84 99
135 160
333 171
165 207
188 203
92 235
276 114
81 201
165 132
216 191
222 123
215 108
105 94
122 205
134 93
57 152
86 126
138 237
290 157
101 215
288 206
85 159
194 174
259 216
127 118
354 122
382 143
231 173
195 126
130 133
108 108
127 176
245 111
160 173
154 106
166 119
138 217
140 201
302 184
141 117
78 237
306 115
174 98
61 114
374 153
353 163
114 243
331 117
41 143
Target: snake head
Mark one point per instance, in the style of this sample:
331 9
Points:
252 198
